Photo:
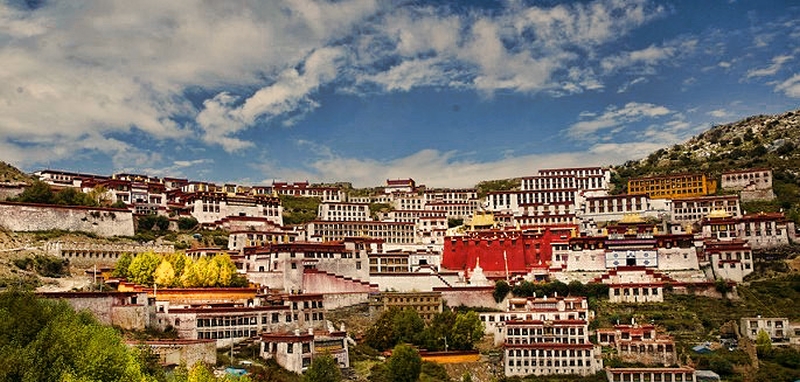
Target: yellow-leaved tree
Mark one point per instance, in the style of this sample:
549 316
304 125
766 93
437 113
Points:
178 261
226 269
165 274
190 277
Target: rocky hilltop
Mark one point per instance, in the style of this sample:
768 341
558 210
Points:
763 141
758 141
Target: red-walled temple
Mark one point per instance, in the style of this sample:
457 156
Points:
503 252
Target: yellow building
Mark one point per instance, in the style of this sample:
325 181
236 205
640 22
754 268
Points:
673 186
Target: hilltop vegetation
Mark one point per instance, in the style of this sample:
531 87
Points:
486 186
299 209
11 174
755 142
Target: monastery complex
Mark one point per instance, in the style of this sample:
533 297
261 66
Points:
682 233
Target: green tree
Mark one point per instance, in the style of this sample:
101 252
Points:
119 204
72 197
121 268
501 289
210 273
433 372
162 223
100 195
143 267
187 223
576 288
323 369
438 331
380 336
405 364
45 340
178 261
379 373
407 325
467 330
38 192
146 222
763 342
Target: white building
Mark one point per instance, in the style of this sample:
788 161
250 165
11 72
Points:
691 210
330 211
544 336
211 207
778 328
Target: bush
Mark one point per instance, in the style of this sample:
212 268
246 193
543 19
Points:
501 289
187 224
47 266
151 222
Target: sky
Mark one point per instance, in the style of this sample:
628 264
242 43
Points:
445 92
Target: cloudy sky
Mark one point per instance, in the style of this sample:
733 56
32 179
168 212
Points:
446 92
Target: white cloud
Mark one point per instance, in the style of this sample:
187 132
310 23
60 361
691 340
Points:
790 87
523 49
719 113
777 63
616 117
624 87
104 67
177 168
648 57
211 71
451 169
223 116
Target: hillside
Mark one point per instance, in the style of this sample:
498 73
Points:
11 174
761 141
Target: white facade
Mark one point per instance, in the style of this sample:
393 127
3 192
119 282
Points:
213 207
543 336
615 207
755 179
390 232
690 210
778 328
729 260
343 212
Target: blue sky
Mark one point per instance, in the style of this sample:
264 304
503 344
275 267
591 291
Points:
445 92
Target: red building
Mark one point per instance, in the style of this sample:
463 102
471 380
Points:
503 252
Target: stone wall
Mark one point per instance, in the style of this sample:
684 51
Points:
476 297
11 190
131 317
41 217
322 282
407 282
339 300
677 258
124 309
100 253
187 352
750 195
